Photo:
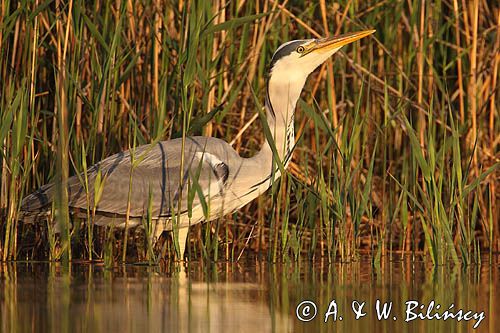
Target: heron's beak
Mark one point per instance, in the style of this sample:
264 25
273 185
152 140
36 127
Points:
335 42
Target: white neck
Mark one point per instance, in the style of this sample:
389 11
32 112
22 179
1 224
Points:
283 93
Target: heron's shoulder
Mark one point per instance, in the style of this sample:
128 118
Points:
168 153
206 141
196 144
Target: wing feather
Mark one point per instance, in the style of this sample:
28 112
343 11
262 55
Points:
156 177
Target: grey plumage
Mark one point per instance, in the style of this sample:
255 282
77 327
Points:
157 174
207 178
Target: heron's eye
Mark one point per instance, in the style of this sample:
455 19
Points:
300 49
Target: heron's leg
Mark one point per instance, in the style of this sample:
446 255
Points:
182 239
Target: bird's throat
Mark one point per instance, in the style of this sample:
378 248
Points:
282 96
281 99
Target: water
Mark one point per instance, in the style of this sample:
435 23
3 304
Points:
250 296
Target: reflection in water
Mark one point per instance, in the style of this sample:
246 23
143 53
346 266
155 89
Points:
244 297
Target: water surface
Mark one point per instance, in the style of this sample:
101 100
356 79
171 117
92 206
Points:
249 296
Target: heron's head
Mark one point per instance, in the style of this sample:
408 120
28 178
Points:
296 59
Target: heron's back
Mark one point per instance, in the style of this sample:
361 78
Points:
145 180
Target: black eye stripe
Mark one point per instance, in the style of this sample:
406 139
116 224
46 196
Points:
286 50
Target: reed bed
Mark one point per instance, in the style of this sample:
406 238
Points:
398 135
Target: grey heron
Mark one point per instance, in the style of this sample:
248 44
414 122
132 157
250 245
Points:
169 170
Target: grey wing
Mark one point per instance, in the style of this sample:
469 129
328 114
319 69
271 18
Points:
154 181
